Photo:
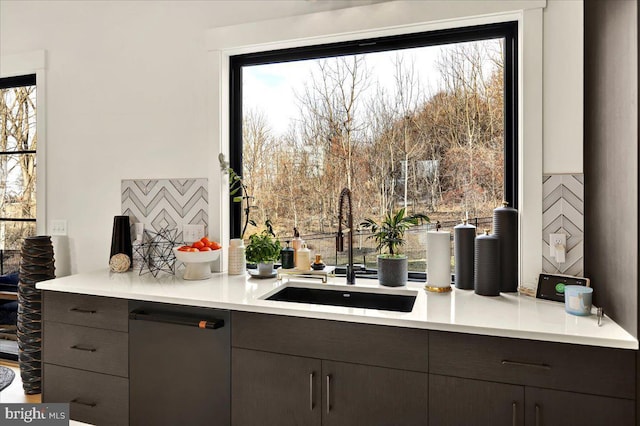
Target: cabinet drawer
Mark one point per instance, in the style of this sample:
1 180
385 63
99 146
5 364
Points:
102 351
90 311
586 369
383 346
94 398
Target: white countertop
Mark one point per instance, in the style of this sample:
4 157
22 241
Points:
508 315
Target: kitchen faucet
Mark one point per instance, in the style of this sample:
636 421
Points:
346 194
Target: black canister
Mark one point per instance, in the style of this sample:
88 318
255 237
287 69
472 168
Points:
505 227
287 257
487 265
463 243
121 237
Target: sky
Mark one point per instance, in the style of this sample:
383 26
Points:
271 89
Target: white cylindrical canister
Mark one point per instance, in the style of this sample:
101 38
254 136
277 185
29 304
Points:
438 261
237 261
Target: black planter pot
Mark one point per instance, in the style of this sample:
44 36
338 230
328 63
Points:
393 271
36 264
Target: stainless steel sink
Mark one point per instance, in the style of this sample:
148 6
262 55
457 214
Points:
397 300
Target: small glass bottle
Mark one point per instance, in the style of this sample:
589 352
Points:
237 261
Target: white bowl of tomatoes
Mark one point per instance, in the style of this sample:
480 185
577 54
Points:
197 258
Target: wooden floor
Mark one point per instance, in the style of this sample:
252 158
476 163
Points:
14 392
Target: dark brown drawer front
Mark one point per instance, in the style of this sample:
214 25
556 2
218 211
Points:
102 351
90 311
94 398
383 346
579 368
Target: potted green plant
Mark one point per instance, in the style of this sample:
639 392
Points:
239 191
389 234
263 249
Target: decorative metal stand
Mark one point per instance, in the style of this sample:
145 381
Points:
157 253
36 264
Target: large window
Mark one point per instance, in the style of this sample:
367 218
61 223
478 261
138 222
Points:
18 140
425 122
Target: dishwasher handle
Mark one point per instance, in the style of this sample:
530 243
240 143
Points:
170 319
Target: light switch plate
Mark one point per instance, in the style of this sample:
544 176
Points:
58 227
192 233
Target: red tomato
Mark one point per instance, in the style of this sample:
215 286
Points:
197 244
206 241
193 249
215 245
205 248
184 248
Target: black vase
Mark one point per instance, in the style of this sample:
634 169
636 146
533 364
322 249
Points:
36 264
505 227
486 279
121 237
463 248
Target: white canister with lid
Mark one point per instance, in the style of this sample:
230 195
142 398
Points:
237 261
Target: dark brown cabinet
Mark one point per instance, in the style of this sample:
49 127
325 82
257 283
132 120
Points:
85 356
356 394
275 389
302 371
292 390
546 407
455 401
298 371
483 380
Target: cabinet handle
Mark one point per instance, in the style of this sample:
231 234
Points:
311 391
83 348
537 415
526 364
86 404
514 413
172 319
328 393
82 311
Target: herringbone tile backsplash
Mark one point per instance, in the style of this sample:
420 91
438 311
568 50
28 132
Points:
563 212
166 203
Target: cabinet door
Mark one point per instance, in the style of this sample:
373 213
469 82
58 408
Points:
454 401
274 389
545 407
356 394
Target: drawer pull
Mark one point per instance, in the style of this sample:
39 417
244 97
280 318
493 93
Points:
83 348
514 413
177 320
86 404
328 393
311 391
526 364
537 415
82 311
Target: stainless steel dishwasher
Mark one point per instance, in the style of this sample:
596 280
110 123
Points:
179 365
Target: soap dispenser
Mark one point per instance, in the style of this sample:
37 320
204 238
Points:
287 257
297 244
303 258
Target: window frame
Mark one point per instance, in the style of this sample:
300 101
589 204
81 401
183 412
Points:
508 30
13 82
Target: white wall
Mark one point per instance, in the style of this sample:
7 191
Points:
127 96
